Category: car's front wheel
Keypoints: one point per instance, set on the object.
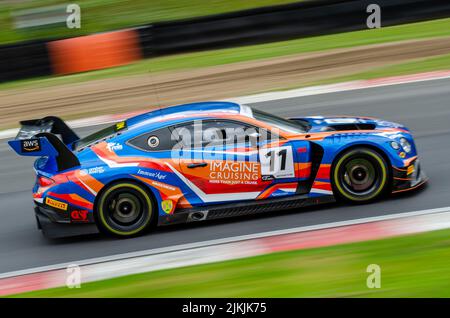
(360, 175)
(124, 209)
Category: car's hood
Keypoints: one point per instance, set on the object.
(333, 123)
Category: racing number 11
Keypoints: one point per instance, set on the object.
(277, 162)
(282, 154)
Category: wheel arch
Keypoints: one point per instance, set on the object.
(371, 146)
(144, 186)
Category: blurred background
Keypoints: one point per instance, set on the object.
(23, 20)
(90, 60)
(160, 53)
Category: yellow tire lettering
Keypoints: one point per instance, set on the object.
(101, 212)
(350, 197)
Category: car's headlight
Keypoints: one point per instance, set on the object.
(395, 145)
(405, 145)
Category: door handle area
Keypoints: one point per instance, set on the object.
(197, 165)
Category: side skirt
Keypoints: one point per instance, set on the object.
(227, 210)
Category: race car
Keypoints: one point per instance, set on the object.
(205, 161)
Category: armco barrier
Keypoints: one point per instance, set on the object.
(308, 18)
(24, 60)
(303, 19)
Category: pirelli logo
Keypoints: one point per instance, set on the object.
(56, 204)
(410, 170)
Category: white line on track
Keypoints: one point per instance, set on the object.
(234, 239)
(341, 87)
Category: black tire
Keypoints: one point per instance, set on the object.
(125, 209)
(360, 175)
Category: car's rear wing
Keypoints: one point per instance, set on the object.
(39, 138)
(50, 124)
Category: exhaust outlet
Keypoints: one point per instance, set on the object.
(197, 216)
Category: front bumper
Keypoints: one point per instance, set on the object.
(55, 225)
(408, 178)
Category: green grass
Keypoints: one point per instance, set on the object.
(411, 266)
(429, 29)
(105, 15)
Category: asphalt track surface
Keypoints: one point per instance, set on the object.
(424, 107)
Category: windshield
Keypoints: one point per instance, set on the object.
(295, 127)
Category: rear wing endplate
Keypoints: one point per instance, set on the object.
(31, 141)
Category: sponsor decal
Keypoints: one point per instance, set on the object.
(167, 206)
(163, 185)
(156, 175)
(113, 146)
(94, 170)
(120, 126)
(234, 172)
(56, 204)
(402, 155)
(279, 194)
(79, 216)
(410, 170)
(31, 145)
(267, 178)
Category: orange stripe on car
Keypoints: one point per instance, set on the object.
(324, 171)
(89, 181)
(303, 169)
(321, 185)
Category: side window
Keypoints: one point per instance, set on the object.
(157, 140)
(218, 132)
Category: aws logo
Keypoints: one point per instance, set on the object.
(31, 145)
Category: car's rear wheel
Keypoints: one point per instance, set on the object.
(360, 175)
(124, 209)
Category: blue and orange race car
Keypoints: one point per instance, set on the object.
(206, 161)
